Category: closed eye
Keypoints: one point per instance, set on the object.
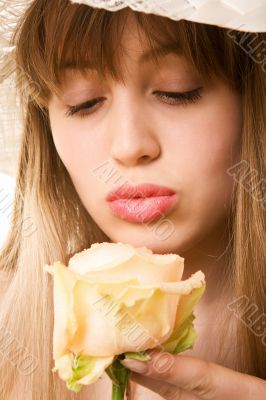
(83, 108)
(181, 97)
(172, 98)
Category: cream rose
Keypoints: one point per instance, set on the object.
(114, 299)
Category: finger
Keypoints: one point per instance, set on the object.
(166, 391)
(200, 378)
(188, 374)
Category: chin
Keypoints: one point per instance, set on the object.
(177, 238)
(148, 240)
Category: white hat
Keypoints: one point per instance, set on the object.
(243, 15)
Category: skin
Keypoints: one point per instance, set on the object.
(185, 147)
(188, 378)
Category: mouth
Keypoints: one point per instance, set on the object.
(141, 203)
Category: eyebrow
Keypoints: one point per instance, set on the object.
(160, 52)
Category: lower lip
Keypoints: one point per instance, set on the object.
(142, 209)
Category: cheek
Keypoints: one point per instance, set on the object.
(206, 144)
(217, 143)
(209, 139)
(79, 150)
(82, 155)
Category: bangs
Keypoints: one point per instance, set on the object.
(62, 35)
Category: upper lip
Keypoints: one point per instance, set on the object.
(127, 191)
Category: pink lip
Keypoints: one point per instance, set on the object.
(141, 203)
(142, 190)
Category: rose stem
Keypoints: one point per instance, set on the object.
(117, 392)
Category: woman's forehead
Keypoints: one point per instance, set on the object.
(82, 38)
(104, 47)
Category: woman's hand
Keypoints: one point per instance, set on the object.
(177, 377)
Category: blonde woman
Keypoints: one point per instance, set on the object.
(114, 98)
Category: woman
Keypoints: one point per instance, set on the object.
(127, 97)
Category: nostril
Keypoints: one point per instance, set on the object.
(145, 158)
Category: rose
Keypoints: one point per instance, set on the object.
(115, 299)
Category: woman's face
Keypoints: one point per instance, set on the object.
(134, 134)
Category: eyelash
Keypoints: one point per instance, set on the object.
(182, 98)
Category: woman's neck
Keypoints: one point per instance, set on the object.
(211, 256)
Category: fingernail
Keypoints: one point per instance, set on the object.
(137, 366)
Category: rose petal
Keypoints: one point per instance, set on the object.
(64, 321)
(120, 262)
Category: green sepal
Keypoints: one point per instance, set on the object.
(82, 365)
(187, 337)
(184, 334)
(140, 356)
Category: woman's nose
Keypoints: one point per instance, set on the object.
(133, 138)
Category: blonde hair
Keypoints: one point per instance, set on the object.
(50, 36)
